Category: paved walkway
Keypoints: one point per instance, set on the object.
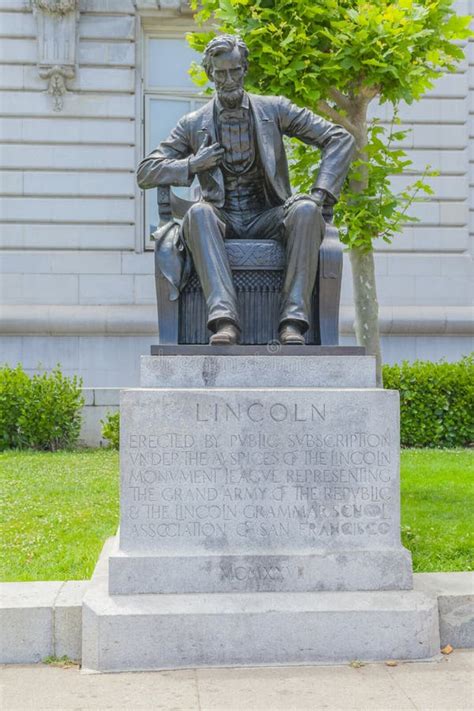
(446, 685)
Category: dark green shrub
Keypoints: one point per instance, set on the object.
(436, 402)
(47, 413)
(111, 429)
(14, 390)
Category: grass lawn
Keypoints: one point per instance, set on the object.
(59, 508)
(437, 488)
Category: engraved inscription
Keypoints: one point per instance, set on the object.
(256, 412)
(217, 474)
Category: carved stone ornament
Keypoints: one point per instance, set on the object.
(56, 22)
(150, 7)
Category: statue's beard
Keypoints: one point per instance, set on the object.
(230, 99)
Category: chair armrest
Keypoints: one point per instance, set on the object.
(164, 203)
(330, 254)
(328, 213)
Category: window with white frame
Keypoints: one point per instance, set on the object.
(169, 94)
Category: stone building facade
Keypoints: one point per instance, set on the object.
(80, 107)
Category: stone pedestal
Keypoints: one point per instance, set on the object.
(260, 520)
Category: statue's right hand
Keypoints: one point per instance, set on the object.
(207, 157)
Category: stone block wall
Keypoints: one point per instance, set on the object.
(99, 402)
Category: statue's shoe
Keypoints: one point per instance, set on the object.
(291, 335)
(227, 334)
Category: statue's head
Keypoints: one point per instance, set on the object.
(225, 63)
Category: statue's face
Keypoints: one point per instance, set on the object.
(228, 72)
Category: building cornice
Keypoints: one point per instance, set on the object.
(140, 320)
(150, 8)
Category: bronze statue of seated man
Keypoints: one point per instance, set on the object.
(234, 145)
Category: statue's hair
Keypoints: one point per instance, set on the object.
(223, 43)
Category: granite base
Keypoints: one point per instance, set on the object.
(274, 370)
(363, 569)
(152, 632)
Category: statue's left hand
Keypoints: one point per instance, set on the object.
(318, 196)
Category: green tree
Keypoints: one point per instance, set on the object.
(336, 57)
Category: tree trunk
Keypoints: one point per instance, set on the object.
(362, 261)
(366, 305)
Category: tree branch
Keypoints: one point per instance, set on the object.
(333, 114)
(370, 92)
(340, 99)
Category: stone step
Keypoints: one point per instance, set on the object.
(39, 619)
(145, 632)
(455, 594)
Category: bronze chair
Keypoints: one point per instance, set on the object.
(257, 268)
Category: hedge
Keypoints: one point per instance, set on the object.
(111, 429)
(41, 412)
(436, 402)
